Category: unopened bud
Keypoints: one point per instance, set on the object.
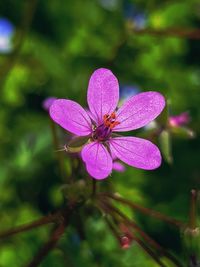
(125, 242)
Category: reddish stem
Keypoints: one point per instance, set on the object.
(192, 217)
(50, 244)
(40, 222)
(146, 211)
(146, 237)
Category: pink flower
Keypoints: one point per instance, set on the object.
(179, 120)
(104, 120)
(48, 102)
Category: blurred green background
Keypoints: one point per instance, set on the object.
(55, 47)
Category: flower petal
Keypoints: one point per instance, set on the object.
(118, 166)
(97, 159)
(139, 110)
(136, 152)
(71, 116)
(103, 93)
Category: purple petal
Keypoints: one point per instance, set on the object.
(103, 93)
(71, 116)
(136, 152)
(48, 102)
(97, 159)
(119, 167)
(139, 110)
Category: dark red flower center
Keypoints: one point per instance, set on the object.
(103, 131)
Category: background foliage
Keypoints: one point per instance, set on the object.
(55, 56)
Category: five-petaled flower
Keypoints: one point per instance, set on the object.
(103, 121)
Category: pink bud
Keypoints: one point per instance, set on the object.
(125, 242)
(179, 120)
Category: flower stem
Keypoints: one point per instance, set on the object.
(146, 237)
(146, 211)
(64, 217)
(26, 227)
(112, 228)
(192, 217)
(151, 253)
(94, 187)
(131, 223)
(50, 244)
(60, 157)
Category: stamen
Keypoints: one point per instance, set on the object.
(110, 120)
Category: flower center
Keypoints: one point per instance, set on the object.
(103, 131)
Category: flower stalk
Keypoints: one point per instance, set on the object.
(52, 218)
(50, 244)
(192, 216)
(138, 233)
(146, 211)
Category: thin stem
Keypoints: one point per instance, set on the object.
(146, 237)
(170, 32)
(149, 252)
(40, 222)
(112, 228)
(56, 235)
(146, 211)
(60, 157)
(108, 209)
(50, 244)
(192, 217)
(136, 239)
(126, 220)
(94, 187)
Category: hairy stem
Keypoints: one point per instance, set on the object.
(146, 211)
(94, 187)
(50, 244)
(26, 227)
(192, 217)
(60, 157)
(150, 252)
(147, 238)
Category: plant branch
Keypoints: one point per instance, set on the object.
(146, 211)
(150, 252)
(50, 244)
(192, 217)
(40, 222)
(60, 157)
(94, 187)
(147, 238)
